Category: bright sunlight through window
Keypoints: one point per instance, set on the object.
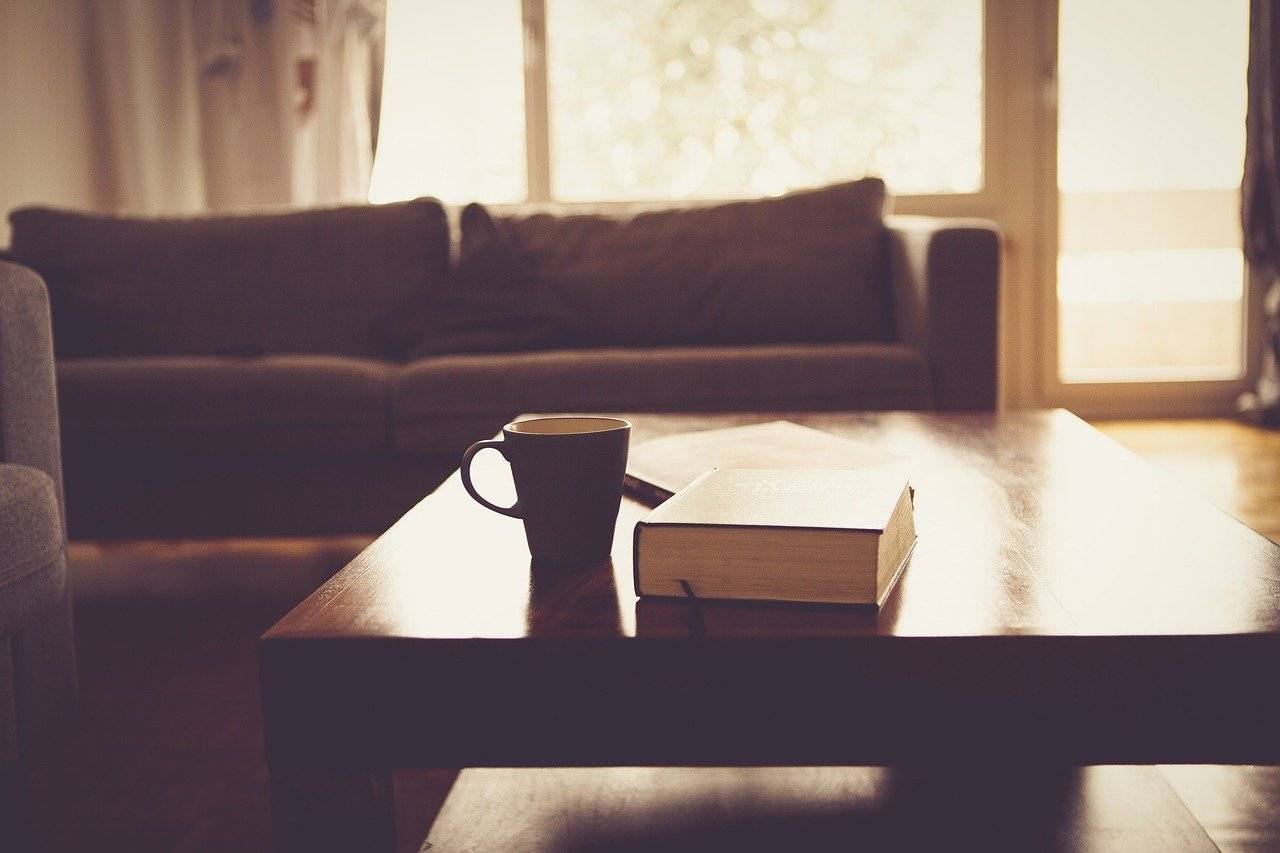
(667, 99)
(452, 121)
(1151, 148)
(670, 99)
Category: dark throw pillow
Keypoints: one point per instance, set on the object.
(276, 282)
(492, 302)
(807, 267)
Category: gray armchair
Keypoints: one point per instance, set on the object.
(37, 649)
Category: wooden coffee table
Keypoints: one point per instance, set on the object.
(1065, 605)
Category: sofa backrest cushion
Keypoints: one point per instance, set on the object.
(298, 281)
(808, 266)
(493, 302)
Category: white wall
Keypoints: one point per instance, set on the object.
(46, 131)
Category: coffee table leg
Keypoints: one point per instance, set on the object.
(315, 808)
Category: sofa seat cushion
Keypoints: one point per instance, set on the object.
(30, 524)
(285, 282)
(803, 267)
(203, 407)
(442, 404)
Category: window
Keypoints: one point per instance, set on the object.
(670, 99)
(1151, 148)
(452, 121)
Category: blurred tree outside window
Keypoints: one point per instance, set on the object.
(680, 98)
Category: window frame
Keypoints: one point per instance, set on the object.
(538, 131)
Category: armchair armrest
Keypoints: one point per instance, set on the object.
(945, 275)
(28, 391)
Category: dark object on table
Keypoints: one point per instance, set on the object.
(568, 473)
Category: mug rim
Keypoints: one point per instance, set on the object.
(609, 424)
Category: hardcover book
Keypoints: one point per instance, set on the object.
(831, 536)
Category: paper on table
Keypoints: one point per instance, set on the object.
(660, 467)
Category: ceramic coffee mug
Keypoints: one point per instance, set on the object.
(568, 473)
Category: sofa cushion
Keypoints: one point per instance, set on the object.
(804, 267)
(205, 407)
(30, 524)
(300, 281)
(440, 405)
(493, 302)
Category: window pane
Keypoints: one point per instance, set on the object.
(1151, 148)
(654, 99)
(1154, 314)
(452, 103)
(1151, 94)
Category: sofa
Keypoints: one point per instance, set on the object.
(319, 371)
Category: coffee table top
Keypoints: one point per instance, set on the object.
(1029, 523)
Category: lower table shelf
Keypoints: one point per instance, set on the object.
(827, 808)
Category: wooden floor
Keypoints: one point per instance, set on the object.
(167, 633)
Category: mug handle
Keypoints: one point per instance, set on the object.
(514, 509)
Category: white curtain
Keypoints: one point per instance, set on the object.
(215, 105)
(144, 96)
(336, 159)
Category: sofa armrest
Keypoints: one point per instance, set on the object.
(945, 275)
(28, 390)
